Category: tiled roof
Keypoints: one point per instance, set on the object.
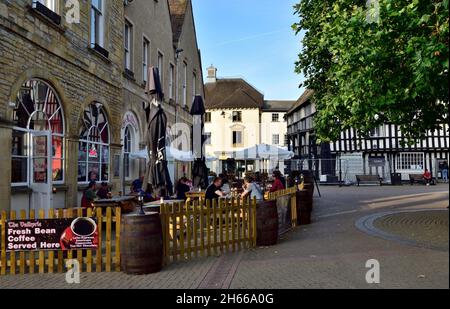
(277, 106)
(232, 93)
(304, 98)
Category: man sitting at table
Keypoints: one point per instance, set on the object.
(89, 195)
(214, 190)
(182, 188)
(136, 185)
(102, 193)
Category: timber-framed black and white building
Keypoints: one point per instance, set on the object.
(381, 153)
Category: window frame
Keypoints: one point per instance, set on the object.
(208, 138)
(236, 133)
(128, 45)
(100, 146)
(208, 117)
(236, 116)
(27, 131)
(275, 117)
(276, 139)
(145, 58)
(194, 85)
(54, 5)
(128, 147)
(171, 81)
(184, 97)
(160, 66)
(405, 159)
(97, 16)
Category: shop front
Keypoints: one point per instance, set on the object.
(38, 148)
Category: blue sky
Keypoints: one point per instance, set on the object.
(252, 39)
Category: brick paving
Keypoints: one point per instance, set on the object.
(330, 253)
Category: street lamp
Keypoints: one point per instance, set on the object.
(141, 204)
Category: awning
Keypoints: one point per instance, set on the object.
(172, 155)
(262, 152)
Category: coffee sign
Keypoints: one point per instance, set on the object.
(51, 234)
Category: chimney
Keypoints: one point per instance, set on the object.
(212, 74)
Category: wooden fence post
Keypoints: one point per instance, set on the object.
(98, 266)
(108, 239)
(41, 253)
(3, 243)
(22, 261)
(89, 252)
(12, 255)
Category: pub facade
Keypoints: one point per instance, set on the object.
(70, 110)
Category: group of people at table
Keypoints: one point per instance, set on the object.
(220, 187)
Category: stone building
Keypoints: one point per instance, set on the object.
(160, 34)
(238, 117)
(60, 94)
(71, 92)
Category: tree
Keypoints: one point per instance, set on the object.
(384, 61)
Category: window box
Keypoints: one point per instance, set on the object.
(46, 12)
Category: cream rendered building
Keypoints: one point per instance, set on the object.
(238, 118)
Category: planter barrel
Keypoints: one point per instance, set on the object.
(304, 207)
(141, 244)
(266, 223)
(309, 183)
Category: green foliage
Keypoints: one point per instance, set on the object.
(387, 63)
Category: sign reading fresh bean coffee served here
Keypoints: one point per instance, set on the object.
(51, 234)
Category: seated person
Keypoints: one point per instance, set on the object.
(89, 195)
(214, 190)
(182, 188)
(226, 189)
(102, 193)
(136, 185)
(277, 184)
(252, 190)
(427, 177)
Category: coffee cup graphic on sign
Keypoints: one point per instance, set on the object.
(79, 230)
(83, 227)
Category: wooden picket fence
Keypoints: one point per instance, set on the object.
(105, 258)
(292, 193)
(207, 228)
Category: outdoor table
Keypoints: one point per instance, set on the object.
(195, 195)
(156, 205)
(126, 203)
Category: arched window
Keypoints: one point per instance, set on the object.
(93, 151)
(38, 109)
(127, 149)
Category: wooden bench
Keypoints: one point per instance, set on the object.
(370, 179)
(418, 178)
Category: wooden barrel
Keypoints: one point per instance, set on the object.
(308, 179)
(141, 244)
(308, 176)
(266, 223)
(310, 188)
(304, 207)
